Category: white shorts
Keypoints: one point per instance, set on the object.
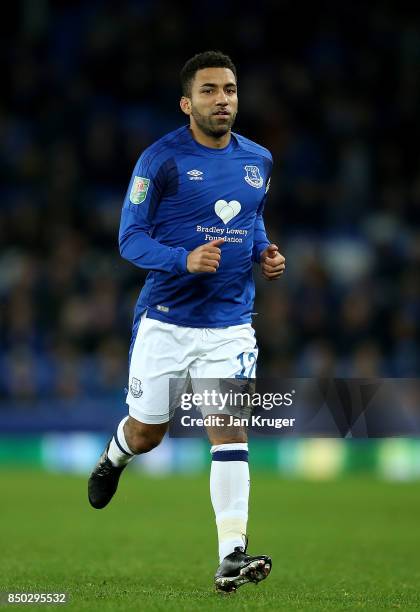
(163, 351)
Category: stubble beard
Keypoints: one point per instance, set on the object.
(210, 125)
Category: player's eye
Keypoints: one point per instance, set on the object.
(206, 91)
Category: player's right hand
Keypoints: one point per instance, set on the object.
(205, 258)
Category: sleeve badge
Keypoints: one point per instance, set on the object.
(139, 189)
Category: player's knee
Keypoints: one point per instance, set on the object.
(226, 432)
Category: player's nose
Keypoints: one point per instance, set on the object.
(222, 99)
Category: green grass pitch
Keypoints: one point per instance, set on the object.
(345, 545)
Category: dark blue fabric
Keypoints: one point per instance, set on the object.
(230, 455)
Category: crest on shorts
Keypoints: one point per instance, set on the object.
(139, 189)
(135, 387)
(253, 176)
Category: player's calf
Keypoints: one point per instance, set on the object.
(143, 437)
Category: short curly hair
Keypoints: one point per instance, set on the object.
(207, 59)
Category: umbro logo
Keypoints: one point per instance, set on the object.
(195, 175)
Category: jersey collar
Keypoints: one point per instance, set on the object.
(212, 150)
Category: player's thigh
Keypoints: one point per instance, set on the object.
(161, 352)
(223, 370)
(229, 352)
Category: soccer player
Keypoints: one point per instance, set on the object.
(193, 216)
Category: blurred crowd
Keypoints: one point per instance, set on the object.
(334, 94)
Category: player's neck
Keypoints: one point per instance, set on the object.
(210, 141)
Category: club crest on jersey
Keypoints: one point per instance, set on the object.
(253, 176)
(139, 190)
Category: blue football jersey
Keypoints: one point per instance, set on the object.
(182, 195)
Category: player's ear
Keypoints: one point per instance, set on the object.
(185, 104)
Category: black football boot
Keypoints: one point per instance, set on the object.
(238, 568)
(103, 481)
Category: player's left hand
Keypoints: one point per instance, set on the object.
(272, 262)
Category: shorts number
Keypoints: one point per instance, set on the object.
(248, 362)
